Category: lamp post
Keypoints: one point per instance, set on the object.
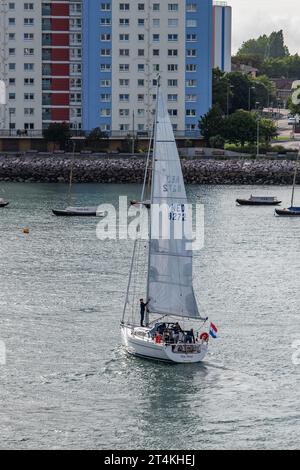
(258, 127)
(249, 97)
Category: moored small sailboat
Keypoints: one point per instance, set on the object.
(292, 211)
(169, 270)
(259, 201)
(3, 203)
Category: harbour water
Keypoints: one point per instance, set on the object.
(67, 383)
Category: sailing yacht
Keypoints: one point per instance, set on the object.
(292, 211)
(76, 211)
(170, 294)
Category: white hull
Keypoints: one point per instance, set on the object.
(138, 343)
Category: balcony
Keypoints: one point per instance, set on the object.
(46, 99)
(46, 70)
(46, 84)
(46, 25)
(46, 116)
(46, 10)
(46, 40)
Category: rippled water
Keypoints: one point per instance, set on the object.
(68, 383)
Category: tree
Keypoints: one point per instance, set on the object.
(220, 89)
(268, 130)
(240, 84)
(57, 133)
(97, 139)
(241, 127)
(266, 47)
(212, 124)
(294, 107)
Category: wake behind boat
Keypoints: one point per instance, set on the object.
(77, 212)
(259, 201)
(3, 203)
(167, 276)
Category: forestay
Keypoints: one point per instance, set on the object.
(170, 286)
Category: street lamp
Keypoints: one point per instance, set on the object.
(249, 97)
(258, 127)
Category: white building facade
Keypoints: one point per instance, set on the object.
(127, 44)
(222, 36)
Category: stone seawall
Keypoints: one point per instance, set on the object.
(118, 169)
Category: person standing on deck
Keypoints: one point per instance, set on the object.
(143, 309)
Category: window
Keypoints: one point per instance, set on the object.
(124, 37)
(28, 21)
(172, 83)
(124, 68)
(172, 67)
(124, 7)
(141, 52)
(28, 67)
(124, 82)
(28, 96)
(173, 98)
(11, 36)
(191, 7)
(173, 112)
(105, 21)
(124, 112)
(12, 81)
(28, 81)
(156, 6)
(191, 52)
(29, 111)
(28, 6)
(12, 51)
(191, 23)
(141, 67)
(191, 37)
(156, 23)
(28, 51)
(141, 82)
(141, 6)
(172, 52)
(105, 37)
(191, 68)
(105, 83)
(172, 23)
(191, 83)
(28, 36)
(172, 37)
(141, 22)
(105, 52)
(141, 37)
(105, 67)
(124, 52)
(190, 112)
(105, 6)
(124, 22)
(11, 5)
(155, 37)
(191, 98)
(124, 97)
(11, 21)
(173, 7)
(12, 66)
(105, 112)
(11, 96)
(155, 52)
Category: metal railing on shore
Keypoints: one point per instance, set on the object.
(38, 133)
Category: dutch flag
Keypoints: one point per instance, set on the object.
(213, 331)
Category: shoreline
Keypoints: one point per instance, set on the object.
(123, 169)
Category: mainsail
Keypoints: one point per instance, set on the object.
(170, 286)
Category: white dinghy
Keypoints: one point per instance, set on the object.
(168, 273)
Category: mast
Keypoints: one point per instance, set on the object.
(295, 179)
(154, 134)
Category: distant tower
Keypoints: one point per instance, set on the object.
(222, 36)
